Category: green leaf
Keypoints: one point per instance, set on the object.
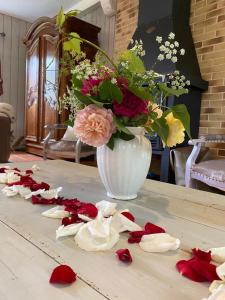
(72, 13)
(76, 82)
(120, 126)
(73, 44)
(87, 99)
(126, 137)
(60, 18)
(161, 128)
(69, 123)
(169, 91)
(109, 91)
(139, 120)
(140, 92)
(135, 64)
(111, 142)
(180, 112)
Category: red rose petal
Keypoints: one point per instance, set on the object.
(128, 215)
(72, 202)
(30, 172)
(40, 186)
(134, 240)
(206, 256)
(2, 170)
(71, 210)
(88, 209)
(40, 200)
(70, 220)
(137, 234)
(197, 270)
(152, 228)
(124, 255)
(63, 274)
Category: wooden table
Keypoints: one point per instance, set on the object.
(29, 251)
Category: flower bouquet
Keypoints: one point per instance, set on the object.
(114, 102)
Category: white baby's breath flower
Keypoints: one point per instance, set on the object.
(174, 59)
(114, 81)
(131, 41)
(143, 53)
(159, 39)
(167, 50)
(161, 57)
(171, 36)
(176, 72)
(171, 46)
(188, 82)
(162, 48)
(182, 51)
(174, 51)
(176, 44)
(168, 56)
(182, 77)
(167, 43)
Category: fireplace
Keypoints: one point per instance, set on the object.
(159, 18)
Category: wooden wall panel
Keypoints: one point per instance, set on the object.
(95, 15)
(12, 54)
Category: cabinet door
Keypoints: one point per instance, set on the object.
(32, 92)
(49, 114)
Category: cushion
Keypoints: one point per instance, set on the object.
(213, 169)
(69, 135)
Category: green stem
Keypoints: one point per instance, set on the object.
(98, 48)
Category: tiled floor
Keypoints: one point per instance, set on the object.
(23, 156)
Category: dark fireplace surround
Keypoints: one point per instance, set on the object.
(159, 18)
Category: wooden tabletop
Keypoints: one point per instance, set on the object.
(29, 251)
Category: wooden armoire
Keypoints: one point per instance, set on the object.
(42, 69)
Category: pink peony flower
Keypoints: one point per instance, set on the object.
(94, 125)
(131, 105)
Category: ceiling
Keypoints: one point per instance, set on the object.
(30, 10)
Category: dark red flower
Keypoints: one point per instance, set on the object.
(134, 240)
(131, 106)
(128, 215)
(90, 86)
(70, 220)
(88, 209)
(124, 255)
(206, 256)
(197, 270)
(63, 274)
(152, 228)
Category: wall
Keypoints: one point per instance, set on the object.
(95, 16)
(207, 23)
(12, 55)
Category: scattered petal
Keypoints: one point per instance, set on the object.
(197, 270)
(206, 256)
(128, 215)
(121, 223)
(71, 229)
(152, 228)
(70, 220)
(35, 168)
(53, 193)
(88, 209)
(40, 200)
(63, 274)
(218, 254)
(218, 294)
(134, 240)
(159, 242)
(220, 270)
(215, 285)
(56, 213)
(124, 255)
(84, 218)
(106, 208)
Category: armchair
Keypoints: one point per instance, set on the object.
(210, 172)
(66, 149)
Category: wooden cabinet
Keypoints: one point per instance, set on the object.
(42, 80)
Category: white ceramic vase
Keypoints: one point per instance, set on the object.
(123, 170)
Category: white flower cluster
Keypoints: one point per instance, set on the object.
(138, 47)
(169, 49)
(178, 81)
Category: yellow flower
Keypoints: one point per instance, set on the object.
(176, 131)
(156, 109)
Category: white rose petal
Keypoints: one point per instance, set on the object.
(35, 168)
(218, 294)
(159, 242)
(218, 254)
(84, 218)
(56, 213)
(97, 235)
(35, 193)
(106, 208)
(50, 194)
(220, 270)
(215, 284)
(121, 223)
(68, 230)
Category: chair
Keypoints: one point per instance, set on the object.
(210, 172)
(65, 149)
